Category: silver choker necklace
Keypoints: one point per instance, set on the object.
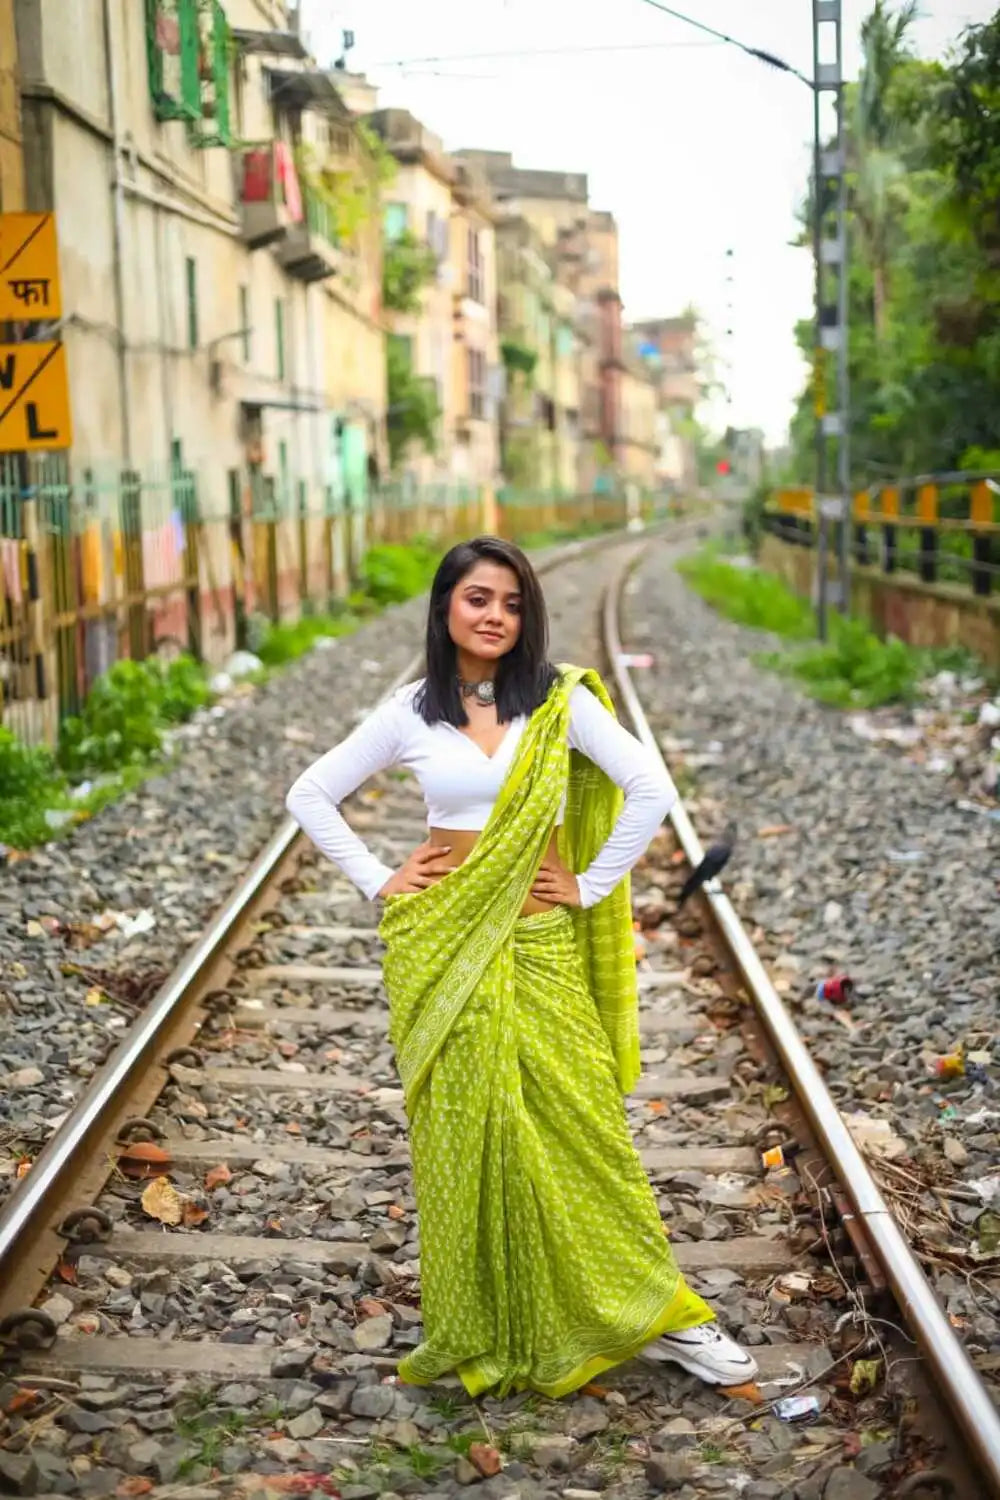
(483, 692)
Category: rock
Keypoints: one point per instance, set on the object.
(466, 1472)
(374, 1401)
(588, 1417)
(552, 1451)
(78, 1420)
(874, 1458)
(955, 1153)
(848, 1484)
(289, 1364)
(308, 1425)
(374, 1333)
(668, 1472)
(24, 1078)
(144, 1454)
(18, 1473)
(59, 1308)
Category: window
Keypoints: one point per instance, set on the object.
(477, 281)
(283, 485)
(396, 220)
(279, 338)
(437, 235)
(245, 329)
(191, 277)
(477, 383)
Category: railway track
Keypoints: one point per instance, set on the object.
(208, 1276)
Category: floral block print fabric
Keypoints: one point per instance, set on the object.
(543, 1258)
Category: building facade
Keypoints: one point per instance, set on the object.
(450, 339)
(221, 301)
(669, 347)
(11, 145)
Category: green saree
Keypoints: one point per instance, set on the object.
(543, 1258)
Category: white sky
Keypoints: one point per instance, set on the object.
(695, 148)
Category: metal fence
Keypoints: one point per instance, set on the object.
(939, 528)
(95, 567)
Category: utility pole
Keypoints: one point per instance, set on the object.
(831, 272)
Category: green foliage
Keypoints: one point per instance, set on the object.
(30, 783)
(853, 669)
(407, 267)
(126, 712)
(748, 596)
(518, 358)
(287, 641)
(413, 412)
(393, 573)
(923, 159)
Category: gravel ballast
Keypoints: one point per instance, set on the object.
(851, 860)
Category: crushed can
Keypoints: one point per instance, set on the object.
(839, 990)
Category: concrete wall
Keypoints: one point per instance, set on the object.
(11, 165)
(921, 614)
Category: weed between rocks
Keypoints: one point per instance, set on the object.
(853, 669)
(122, 733)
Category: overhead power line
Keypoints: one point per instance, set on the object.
(448, 57)
(771, 60)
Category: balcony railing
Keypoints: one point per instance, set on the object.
(311, 249)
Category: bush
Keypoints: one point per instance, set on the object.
(392, 573)
(748, 596)
(126, 712)
(286, 642)
(30, 784)
(853, 669)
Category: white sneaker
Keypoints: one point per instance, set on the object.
(707, 1352)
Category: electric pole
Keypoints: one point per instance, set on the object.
(833, 483)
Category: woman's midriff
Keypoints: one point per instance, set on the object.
(463, 841)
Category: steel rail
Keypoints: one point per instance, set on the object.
(26, 1208)
(952, 1370)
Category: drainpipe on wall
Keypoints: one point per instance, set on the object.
(118, 190)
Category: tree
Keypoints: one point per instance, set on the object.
(880, 173)
(412, 408)
(407, 267)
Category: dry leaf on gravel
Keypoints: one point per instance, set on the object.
(132, 1485)
(218, 1176)
(192, 1214)
(162, 1201)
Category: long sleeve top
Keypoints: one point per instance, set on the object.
(460, 784)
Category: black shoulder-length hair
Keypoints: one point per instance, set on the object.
(524, 676)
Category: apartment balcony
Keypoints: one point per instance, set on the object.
(270, 197)
(309, 250)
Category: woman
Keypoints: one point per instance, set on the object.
(511, 980)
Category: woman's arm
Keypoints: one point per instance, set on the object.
(649, 792)
(314, 800)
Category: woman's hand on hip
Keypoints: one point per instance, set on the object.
(557, 885)
(424, 867)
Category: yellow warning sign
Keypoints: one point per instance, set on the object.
(34, 398)
(29, 268)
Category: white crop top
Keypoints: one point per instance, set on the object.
(460, 783)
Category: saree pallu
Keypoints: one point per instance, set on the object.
(543, 1258)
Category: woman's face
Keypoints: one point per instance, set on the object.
(484, 614)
